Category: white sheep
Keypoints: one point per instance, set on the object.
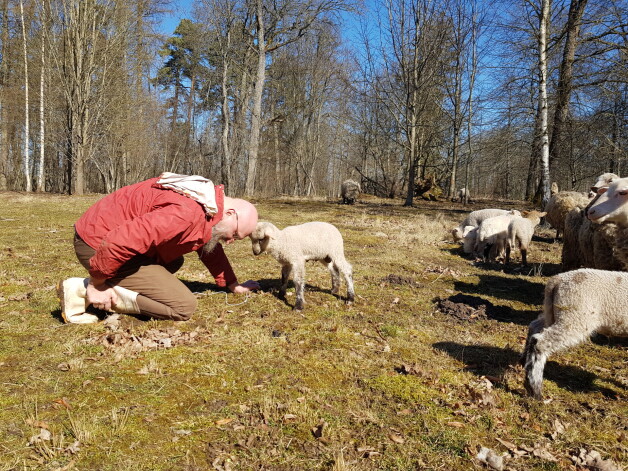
(475, 218)
(610, 204)
(492, 236)
(560, 204)
(520, 232)
(294, 245)
(469, 235)
(602, 182)
(350, 190)
(577, 304)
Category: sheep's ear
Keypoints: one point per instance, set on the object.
(601, 191)
(525, 213)
(542, 214)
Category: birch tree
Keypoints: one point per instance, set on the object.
(26, 146)
(544, 20)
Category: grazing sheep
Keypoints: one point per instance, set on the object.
(350, 190)
(492, 236)
(468, 238)
(475, 218)
(560, 204)
(521, 230)
(294, 245)
(602, 182)
(577, 304)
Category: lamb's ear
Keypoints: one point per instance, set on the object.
(542, 215)
(602, 190)
(525, 213)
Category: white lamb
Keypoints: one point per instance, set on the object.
(492, 236)
(468, 238)
(475, 218)
(294, 245)
(577, 304)
(520, 232)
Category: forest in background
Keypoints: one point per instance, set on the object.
(292, 97)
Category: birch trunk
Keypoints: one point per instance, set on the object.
(545, 173)
(27, 163)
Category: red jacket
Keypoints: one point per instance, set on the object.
(160, 223)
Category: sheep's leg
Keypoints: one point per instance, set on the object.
(524, 255)
(299, 285)
(507, 261)
(335, 277)
(347, 272)
(285, 275)
(553, 339)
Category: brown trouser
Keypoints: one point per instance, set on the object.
(161, 294)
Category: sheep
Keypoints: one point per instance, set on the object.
(294, 245)
(560, 204)
(554, 188)
(610, 205)
(591, 245)
(350, 190)
(577, 304)
(462, 195)
(475, 218)
(469, 235)
(602, 182)
(492, 235)
(521, 230)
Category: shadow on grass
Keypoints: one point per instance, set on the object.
(485, 360)
(513, 289)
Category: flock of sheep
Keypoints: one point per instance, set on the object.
(591, 295)
(578, 302)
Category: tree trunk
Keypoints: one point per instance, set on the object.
(563, 92)
(256, 118)
(42, 83)
(545, 171)
(4, 75)
(27, 162)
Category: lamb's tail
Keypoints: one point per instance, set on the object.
(548, 302)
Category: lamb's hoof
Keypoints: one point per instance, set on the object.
(298, 307)
(349, 302)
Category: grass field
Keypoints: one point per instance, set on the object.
(389, 383)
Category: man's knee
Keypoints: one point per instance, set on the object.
(185, 308)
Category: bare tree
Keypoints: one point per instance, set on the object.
(544, 20)
(26, 146)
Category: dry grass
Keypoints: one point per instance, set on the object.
(389, 383)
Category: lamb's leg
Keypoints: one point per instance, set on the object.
(557, 337)
(524, 255)
(507, 261)
(335, 277)
(299, 285)
(347, 272)
(285, 275)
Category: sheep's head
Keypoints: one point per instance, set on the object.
(457, 234)
(260, 237)
(602, 182)
(534, 216)
(611, 204)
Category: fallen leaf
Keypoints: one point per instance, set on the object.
(395, 437)
(318, 430)
(220, 422)
(455, 424)
(63, 402)
(593, 460)
(44, 435)
(37, 423)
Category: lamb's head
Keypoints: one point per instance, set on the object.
(534, 216)
(457, 234)
(514, 212)
(261, 236)
(611, 204)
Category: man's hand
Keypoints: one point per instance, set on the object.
(101, 295)
(245, 287)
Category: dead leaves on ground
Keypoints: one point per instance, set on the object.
(124, 342)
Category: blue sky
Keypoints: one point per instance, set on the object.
(180, 9)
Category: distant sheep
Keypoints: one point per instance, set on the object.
(461, 195)
(294, 245)
(520, 232)
(350, 191)
(560, 204)
(492, 236)
(577, 304)
(475, 218)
